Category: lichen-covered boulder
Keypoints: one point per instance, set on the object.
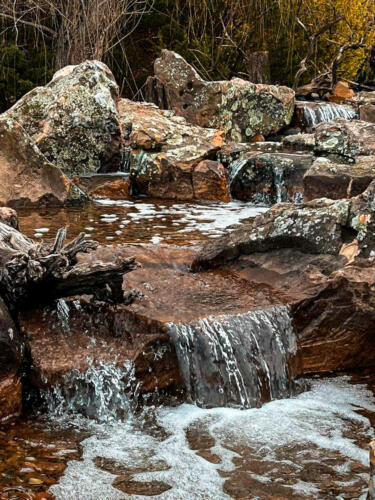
(322, 226)
(165, 150)
(315, 227)
(73, 119)
(241, 108)
(326, 178)
(345, 138)
(27, 178)
(269, 177)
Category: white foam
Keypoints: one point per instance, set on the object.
(321, 417)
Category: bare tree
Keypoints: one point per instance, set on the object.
(79, 29)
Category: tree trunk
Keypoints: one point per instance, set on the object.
(258, 64)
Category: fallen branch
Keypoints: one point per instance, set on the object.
(32, 273)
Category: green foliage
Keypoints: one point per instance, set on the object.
(21, 71)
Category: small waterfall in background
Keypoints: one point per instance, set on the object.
(326, 112)
(240, 360)
(104, 392)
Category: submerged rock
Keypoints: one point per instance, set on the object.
(167, 154)
(241, 108)
(26, 176)
(347, 139)
(338, 180)
(73, 119)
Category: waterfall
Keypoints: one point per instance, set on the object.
(104, 392)
(235, 168)
(326, 112)
(238, 360)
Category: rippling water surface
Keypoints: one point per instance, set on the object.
(155, 221)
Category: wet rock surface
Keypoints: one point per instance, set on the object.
(307, 114)
(115, 186)
(240, 108)
(73, 120)
(269, 177)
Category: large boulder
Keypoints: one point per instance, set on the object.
(241, 108)
(269, 177)
(26, 176)
(167, 154)
(333, 180)
(73, 119)
(320, 226)
(348, 139)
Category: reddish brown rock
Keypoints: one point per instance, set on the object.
(367, 113)
(107, 333)
(26, 177)
(210, 181)
(165, 151)
(335, 326)
(340, 93)
(241, 108)
(10, 396)
(326, 179)
(112, 186)
(97, 333)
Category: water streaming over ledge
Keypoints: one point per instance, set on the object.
(326, 112)
(240, 360)
(104, 392)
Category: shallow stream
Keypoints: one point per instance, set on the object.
(312, 445)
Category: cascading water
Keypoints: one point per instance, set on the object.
(104, 392)
(240, 360)
(326, 112)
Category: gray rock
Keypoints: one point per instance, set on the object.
(241, 108)
(347, 139)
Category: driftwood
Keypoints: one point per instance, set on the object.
(32, 273)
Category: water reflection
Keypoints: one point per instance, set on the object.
(145, 220)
